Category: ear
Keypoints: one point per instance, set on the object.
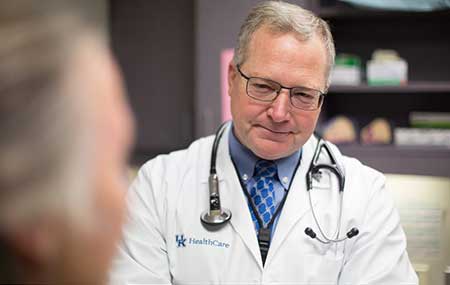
(231, 77)
(35, 246)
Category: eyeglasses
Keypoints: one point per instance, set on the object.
(267, 90)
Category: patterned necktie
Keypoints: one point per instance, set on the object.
(262, 192)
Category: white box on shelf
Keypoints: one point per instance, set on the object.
(346, 75)
(393, 72)
(423, 137)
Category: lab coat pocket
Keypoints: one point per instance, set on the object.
(322, 269)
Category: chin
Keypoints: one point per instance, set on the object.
(271, 151)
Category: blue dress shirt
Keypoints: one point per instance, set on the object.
(245, 162)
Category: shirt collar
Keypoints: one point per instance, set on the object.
(245, 161)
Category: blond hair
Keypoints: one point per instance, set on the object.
(44, 143)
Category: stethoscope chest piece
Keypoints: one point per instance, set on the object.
(214, 220)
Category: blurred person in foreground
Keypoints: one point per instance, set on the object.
(65, 134)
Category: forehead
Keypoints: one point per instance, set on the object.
(287, 58)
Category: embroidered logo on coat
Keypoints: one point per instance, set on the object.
(182, 241)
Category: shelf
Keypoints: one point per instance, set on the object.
(418, 160)
(344, 10)
(412, 87)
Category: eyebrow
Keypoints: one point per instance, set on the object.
(286, 87)
(283, 86)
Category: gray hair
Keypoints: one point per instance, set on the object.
(44, 143)
(284, 17)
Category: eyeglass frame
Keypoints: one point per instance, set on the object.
(321, 94)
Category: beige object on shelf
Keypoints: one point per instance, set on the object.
(377, 132)
(340, 130)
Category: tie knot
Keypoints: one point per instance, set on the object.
(265, 168)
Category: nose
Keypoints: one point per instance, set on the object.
(280, 108)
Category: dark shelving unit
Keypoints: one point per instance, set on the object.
(418, 160)
(337, 9)
(411, 87)
(418, 38)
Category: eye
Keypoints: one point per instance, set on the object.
(303, 95)
(262, 87)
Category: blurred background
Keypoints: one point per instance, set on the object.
(388, 104)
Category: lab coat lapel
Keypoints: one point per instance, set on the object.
(297, 203)
(234, 199)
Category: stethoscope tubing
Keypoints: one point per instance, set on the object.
(333, 167)
(327, 239)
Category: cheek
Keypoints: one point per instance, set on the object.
(109, 219)
(245, 110)
(110, 200)
(240, 105)
(110, 176)
(306, 121)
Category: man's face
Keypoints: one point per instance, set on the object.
(273, 130)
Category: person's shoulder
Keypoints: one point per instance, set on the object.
(353, 167)
(361, 180)
(163, 176)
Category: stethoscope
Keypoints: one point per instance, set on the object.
(217, 216)
(314, 172)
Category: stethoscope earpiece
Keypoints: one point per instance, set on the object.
(309, 232)
(351, 233)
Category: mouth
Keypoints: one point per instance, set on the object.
(278, 132)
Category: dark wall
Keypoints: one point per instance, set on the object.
(154, 41)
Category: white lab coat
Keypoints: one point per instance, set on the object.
(171, 191)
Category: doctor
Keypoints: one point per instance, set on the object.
(277, 83)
